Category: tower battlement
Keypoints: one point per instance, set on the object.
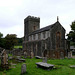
(32, 18)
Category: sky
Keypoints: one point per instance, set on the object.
(13, 13)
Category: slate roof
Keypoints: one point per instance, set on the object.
(43, 29)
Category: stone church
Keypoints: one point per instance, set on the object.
(47, 42)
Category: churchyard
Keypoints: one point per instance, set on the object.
(61, 67)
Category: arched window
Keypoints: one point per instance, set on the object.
(34, 27)
(58, 37)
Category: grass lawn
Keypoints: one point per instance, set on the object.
(61, 64)
(17, 47)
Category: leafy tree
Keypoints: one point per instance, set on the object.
(11, 40)
(71, 35)
(2, 40)
(1, 35)
(20, 40)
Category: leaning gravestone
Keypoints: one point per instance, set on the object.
(4, 60)
(23, 69)
(44, 59)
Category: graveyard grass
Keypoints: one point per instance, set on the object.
(17, 47)
(62, 66)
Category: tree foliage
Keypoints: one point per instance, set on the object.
(1, 35)
(2, 40)
(71, 35)
(11, 40)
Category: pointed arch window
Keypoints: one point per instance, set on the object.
(58, 38)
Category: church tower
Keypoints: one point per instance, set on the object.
(31, 24)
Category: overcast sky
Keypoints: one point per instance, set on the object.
(13, 12)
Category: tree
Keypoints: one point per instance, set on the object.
(2, 40)
(11, 40)
(1, 35)
(71, 35)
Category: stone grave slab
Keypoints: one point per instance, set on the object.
(72, 66)
(44, 65)
(21, 60)
(38, 57)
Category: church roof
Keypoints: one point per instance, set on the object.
(44, 29)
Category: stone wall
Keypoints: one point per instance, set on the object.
(17, 52)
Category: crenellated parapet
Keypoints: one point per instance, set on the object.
(32, 18)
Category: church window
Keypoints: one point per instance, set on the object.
(34, 27)
(58, 39)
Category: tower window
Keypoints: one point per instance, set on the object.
(34, 27)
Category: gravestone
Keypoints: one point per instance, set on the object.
(61, 55)
(32, 55)
(23, 69)
(44, 65)
(25, 54)
(70, 54)
(4, 60)
(44, 59)
(38, 57)
(72, 66)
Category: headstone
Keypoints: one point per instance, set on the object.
(70, 54)
(25, 54)
(23, 69)
(10, 57)
(21, 60)
(61, 55)
(44, 59)
(18, 57)
(4, 59)
(32, 55)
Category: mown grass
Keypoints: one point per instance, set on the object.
(62, 66)
(17, 47)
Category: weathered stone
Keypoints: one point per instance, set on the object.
(49, 40)
(44, 65)
(4, 60)
(72, 66)
(21, 60)
(70, 54)
(10, 57)
(23, 69)
(25, 54)
(38, 57)
(32, 55)
(18, 57)
(44, 60)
